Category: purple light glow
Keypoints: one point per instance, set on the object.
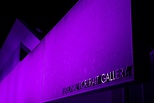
(94, 37)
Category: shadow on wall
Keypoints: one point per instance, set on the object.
(97, 97)
(10, 64)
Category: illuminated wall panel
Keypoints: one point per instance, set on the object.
(93, 38)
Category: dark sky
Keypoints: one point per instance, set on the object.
(39, 17)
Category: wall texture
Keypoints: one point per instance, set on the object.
(94, 37)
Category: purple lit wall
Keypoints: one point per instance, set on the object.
(94, 37)
(18, 34)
